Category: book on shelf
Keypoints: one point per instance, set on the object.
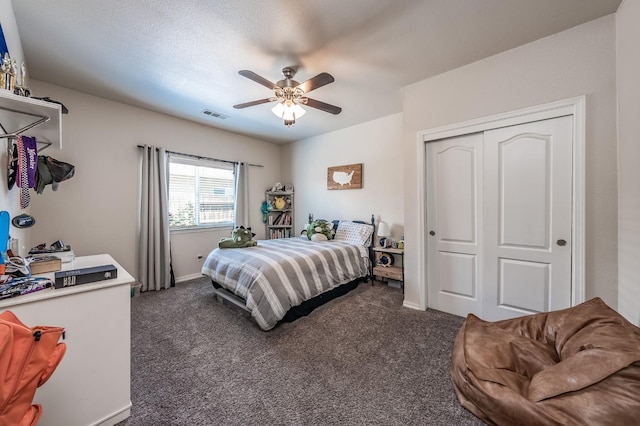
(283, 219)
(279, 233)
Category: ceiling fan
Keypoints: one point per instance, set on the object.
(290, 94)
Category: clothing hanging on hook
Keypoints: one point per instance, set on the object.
(13, 164)
(25, 198)
(27, 167)
(12, 155)
(30, 146)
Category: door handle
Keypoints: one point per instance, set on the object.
(561, 242)
(432, 233)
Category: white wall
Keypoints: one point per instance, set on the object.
(628, 73)
(9, 201)
(579, 61)
(378, 145)
(96, 211)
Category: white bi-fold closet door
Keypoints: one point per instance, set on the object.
(499, 220)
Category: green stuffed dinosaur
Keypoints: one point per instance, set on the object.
(240, 237)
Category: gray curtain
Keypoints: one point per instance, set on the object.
(242, 195)
(154, 253)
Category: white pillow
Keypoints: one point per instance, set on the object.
(354, 233)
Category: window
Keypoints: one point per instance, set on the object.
(201, 193)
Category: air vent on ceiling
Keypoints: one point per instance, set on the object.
(214, 114)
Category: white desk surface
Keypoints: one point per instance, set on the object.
(80, 262)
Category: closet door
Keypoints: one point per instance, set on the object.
(454, 224)
(527, 218)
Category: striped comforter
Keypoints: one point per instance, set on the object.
(278, 274)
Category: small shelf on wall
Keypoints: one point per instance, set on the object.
(31, 117)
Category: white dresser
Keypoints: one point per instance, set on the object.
(92, 384)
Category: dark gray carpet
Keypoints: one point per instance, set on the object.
(361, 359)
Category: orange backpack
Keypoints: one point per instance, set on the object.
(28, 357)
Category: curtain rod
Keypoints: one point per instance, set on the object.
(200, 157)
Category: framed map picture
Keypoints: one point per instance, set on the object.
(345, 177)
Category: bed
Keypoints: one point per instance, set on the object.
(280, 275)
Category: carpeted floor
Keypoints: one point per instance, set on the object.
(361, 359)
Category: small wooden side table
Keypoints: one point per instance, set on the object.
(393, 272)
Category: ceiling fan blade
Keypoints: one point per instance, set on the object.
(332, 109)
(252, 103)
(315, 82)
(258, 79)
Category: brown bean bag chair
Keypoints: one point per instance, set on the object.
(577, 366)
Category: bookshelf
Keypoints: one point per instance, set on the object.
(280, 216)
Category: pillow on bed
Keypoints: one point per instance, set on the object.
(354, 233)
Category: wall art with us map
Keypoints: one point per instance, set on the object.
(345, 177)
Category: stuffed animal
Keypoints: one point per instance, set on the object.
(279, 202)
(240, 237)
(320, 230)
(265, 208)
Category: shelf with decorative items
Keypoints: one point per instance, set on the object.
(278, 212)
(386, 267)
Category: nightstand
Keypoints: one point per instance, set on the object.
(393, 271)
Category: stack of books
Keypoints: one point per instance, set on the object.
(45, 263)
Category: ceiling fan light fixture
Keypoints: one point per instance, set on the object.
(288, 111)
(290, 94)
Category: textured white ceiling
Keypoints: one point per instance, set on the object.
(180, 57)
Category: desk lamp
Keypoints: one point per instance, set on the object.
(384, 233)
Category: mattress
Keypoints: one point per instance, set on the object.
(278, 274)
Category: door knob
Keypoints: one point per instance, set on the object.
(561, 242)
(432, 233)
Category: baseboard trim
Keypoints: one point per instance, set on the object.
(411, 305)
(115, 417)
(188, 277)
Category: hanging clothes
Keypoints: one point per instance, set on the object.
(23, 175)
(13, 167)
(52, 172)
(31, 152)
(27, 167)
